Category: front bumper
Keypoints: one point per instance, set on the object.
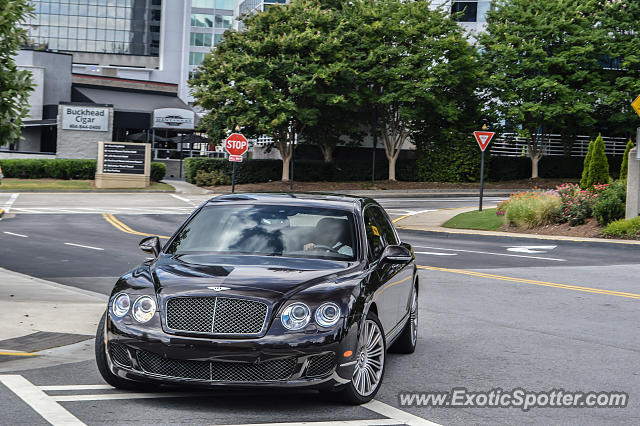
(311, 358)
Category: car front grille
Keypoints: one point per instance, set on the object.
(216, 315)
(120, 354)
(267, 371)
(321, 365)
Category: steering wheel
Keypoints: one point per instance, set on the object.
(327, 248)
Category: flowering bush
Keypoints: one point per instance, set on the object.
(577, 204)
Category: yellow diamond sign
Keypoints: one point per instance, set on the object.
(636, 105)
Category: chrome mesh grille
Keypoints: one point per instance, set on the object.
(216, 315)
(320, 365)
(120, 354)
(217, 371)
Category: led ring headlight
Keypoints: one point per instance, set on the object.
(295, 316)
(327, 315)
(121, 304)
(144, 308)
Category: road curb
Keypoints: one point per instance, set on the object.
(508, 238)
(391, 194)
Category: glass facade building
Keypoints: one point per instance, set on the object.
(123, 27)
(209, 20)
(470, 11)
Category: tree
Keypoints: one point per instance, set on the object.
(586, 166)
(414, 68)
(15, 84)
(543, 65)
(624, 168)
(599, 164)
(276, 77)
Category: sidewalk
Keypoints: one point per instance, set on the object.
(431, 222)
(29, 305)
(183, 187)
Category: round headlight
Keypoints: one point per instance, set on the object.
(295, 316)
(144, 308)
(327, 315)
(121, 305)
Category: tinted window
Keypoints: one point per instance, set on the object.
(374, 236)
(269, 231)
(385, 227)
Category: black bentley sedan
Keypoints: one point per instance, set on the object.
(266, 290)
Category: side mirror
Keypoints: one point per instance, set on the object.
(396, 254)
(150, 245)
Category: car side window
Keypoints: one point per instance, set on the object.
(374, 237)
(385, 227)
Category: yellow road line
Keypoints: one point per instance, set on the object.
(124, 228)
(18, 354)
(401, 217)
(534, 282)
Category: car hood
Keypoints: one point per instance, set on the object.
(253, 276)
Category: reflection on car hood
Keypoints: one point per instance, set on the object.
(258, 276)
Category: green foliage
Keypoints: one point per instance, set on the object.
(540, 56)
(256, 171)
(586, 167)
(158, 171)
(598, 165)
(62, 169)
(531, 209)
(212, 178)
(455, 162)
(624, 168)
(15, 84)
(611, 203)
(629, 228)
(48, 168)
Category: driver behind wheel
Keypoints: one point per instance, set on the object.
(333, 235)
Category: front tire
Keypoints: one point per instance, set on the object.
(103, 363)
(369, 369)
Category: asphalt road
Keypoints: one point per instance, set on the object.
(529, 314)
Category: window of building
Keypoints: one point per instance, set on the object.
(201, 20)
(201, 39)
(205, 4)
(224, 4)
(196, 58)
(465, 11)
(224, 21)
(217, 38)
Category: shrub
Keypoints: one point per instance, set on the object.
(586, 166)
(49, 168)
(611, 203)
(577, 204)
(158, 171)
(624, 168)
(623, 228)
(531, 209)
(212, 178)
(599, 165)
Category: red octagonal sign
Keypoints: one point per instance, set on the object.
(236, 144)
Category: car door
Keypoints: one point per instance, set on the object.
(386, 304)
(399, 277)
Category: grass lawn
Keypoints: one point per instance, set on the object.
(66, 185)
(487, 220)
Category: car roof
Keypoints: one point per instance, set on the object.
(297, 198)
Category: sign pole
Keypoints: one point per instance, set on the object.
(233, 178)
(481, 180)
(483, 138)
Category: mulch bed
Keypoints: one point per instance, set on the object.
(590, 229)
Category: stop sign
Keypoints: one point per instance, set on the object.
(236, 144)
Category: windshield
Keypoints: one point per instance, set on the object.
(269, 230)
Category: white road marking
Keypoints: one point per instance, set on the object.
(435, 253)
(42, 403)
(397, 414)
(493, 254)
(75, 387)
(16, 235)
(80, 245)
(186, 200)
(7, 205)
(530, 249)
